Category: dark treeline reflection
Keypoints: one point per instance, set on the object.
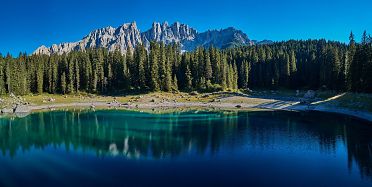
(143, 135)
(131, 134)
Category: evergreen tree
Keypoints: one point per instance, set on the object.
(364, 38)
(175, 83)
(63, 83)
(244, 74)
(350, 66)
(2, 77)
(208, 66)
(77, 76)
(139, 73)
(224, 73)
(70, 75)
(293, 68)
(40, 77)
(235, 77)
(130, 68)
(154, 68)
(94, 82)
(110, 75)
(188, 78)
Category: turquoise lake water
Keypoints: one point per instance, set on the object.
(195, 148)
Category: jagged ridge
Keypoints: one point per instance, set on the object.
(128, 36)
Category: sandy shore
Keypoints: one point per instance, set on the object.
(217, 102)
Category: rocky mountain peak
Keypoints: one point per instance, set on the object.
(42, 50)
(128, 36)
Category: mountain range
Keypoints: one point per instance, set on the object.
(128, 36)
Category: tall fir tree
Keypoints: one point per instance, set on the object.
(154, 66)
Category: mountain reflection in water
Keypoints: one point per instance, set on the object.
(193, 134)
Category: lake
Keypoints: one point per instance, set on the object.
(193, 148)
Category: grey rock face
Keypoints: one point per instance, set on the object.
(128, 36)
(222, 39)
(122, 38)
(42, 50)
(176, 33)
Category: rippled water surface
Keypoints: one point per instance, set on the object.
(121, 148)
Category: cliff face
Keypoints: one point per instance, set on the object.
(128, 36)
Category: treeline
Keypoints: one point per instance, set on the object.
(310, 64)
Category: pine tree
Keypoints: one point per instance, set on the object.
(188, 78)
(40, 77)
(77, 77)
(63, 83)
(342, 73)
(168, 79)
(175, 83)
(141, 67)
(123, 71)
(202, 84)
(70, 75)
(208, 66)
(364, 38)
(130, 68)
(110, 75)
(86, 73)
(101, 72)
(54, 77)
(216, 65)
(335, 69)
(224, 72)
(2, 77)
(350, 66)
(244, 74)
(49, 75)
(139, 73)
(94, 82)
(166, 68)
(235, 77)
(293, 68)
(230, 77)
(154, 60)
(165, 74)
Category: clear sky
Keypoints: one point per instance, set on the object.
(27, 24)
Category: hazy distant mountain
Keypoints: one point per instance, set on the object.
(127, 36)
(263, 42)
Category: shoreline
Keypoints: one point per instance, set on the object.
(267, 104)
(367, 116)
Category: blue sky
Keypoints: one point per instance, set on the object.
(25, 25)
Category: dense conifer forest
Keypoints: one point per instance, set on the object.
(310, 64)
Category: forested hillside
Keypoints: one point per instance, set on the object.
(310, 64)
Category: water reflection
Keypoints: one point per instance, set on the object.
(149, 136)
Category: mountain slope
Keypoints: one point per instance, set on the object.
(128, 36)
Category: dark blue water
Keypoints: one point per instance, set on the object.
(118, 148)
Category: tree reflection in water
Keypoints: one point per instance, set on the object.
(151, 136)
